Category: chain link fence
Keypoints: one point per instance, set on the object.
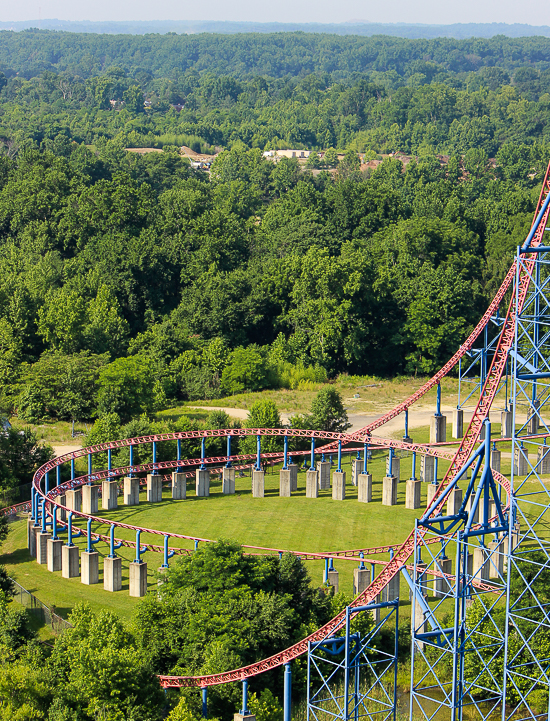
(39, 609)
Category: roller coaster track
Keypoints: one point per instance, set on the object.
(403, 551)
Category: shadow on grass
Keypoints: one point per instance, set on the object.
(21, 555)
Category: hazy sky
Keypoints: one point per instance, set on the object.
(533, 12)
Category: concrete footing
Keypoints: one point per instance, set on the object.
(138, 579)
(496, 561)
(112, 573)
(454, 501)
(179, 486)
(389, 491)
(412, 494)
(228, 481)
(543, 460)
(53, 554)
(534, 418)
(495, 459)
(323, 468)
(427, 469)
(469, 504)
(395, 469)
(258, 484)
(244, 717)
(109, 495)
(361, 579)
(521, 462)
(154, 488)
(391, 590)
(202, 482)
(338, 485)
(438, 429)
(364, 488)
(356, 469)
(312, 484)
(293, 468)
(284, 483)
(481, 564)
(30, 524)
(131, 491)
(90, 499)
(506, 418)
(333, 579)
(431, 489)
(62, 500)
(69, 561)
(89, 567)
(458, 423)
(42, 547)
(74, 499)
(35, 530)
(442, 587)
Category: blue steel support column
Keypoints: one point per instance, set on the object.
(89, 547)
(390, 463)
(112, 541)
(312, 464)
(54, 524)
(413, 472)
(325, 575)
(435, 469)
(196, 544)
(179, 455)
(339, 456)
(203, 452)
(204, 702)
(47, 481)
(167, 554)
(43, 504)
(258, 452)
(58, 475)
(109, 459)
(154, 452)
(131, 460)
(33, 494)
(89, 468)
(438, 401)
(244, 711)
(228, 464)
(365, 457)
(285, 463)
(287, 694)
(406, 422)
(70, 530)
(73, 471)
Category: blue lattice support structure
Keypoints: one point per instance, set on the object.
(350, 676)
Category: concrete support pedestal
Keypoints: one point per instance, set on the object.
(454, 501)
(284, 483)
(293, 468)
(480, 568)
(202, 482)
(458, 423)
(35, 530)
(389, 491)
(506, 418)
(395, 469)
(418, 619)
(109, 495)
(438, 429)
(90, 499)
(534, 418)
(412, 494)
(53, 554)
(258, 484)
(441, 585)
(521, 462)
(323, 468)
(364, 488)
(496, 561)
(30, 524)
(338, 485)
(469, 504)
(244, 717)
(495, 460)
(432, 488)
(89, 567)
(543, 460)
(154, 488)
(361, 579)
(356, 469)
(42, 547)
(62, 500)
(333, 579)
(131, 491)
(391, 590)
(138, 579)
(69, 561)
(74, 499)
(312, 484)
(179, 486)
(427, 469)
(228, 481)
(112, 574)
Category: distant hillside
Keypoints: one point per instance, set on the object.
(400, 30)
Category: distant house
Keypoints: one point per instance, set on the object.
(178, 107)
(300, 154)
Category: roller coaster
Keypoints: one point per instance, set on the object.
(495, 529)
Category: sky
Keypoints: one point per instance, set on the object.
(532, 12)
